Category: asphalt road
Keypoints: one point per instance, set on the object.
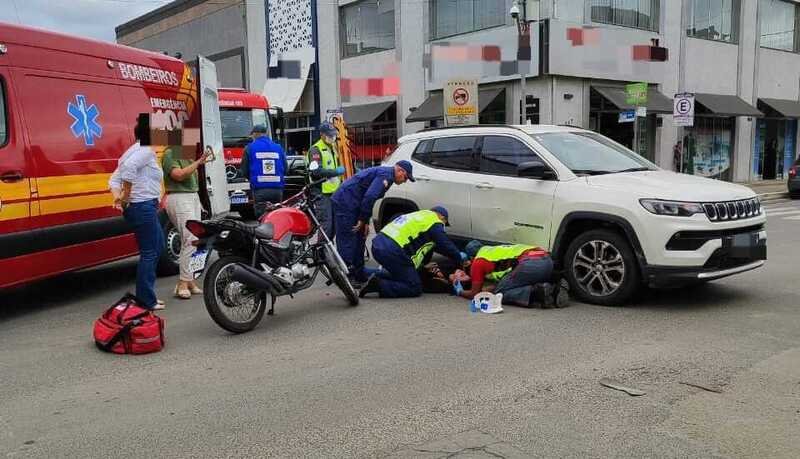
(419, 378)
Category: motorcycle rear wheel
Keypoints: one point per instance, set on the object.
(339, 278)
(230, 304)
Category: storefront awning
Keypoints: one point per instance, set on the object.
(656, 102)
(360, 114)
(433, 108)
(719, 104)
(787, 108)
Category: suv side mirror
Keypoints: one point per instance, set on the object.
(535, 169)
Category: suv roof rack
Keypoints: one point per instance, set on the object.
(443, 128)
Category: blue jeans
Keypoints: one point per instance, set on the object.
(323, 209)
(350, 245)
(143, 217)
(399, 277)
(517, 285)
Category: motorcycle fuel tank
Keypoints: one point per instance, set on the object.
(288, 220)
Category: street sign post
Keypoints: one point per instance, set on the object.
(627, 116)
(461, 102)
(683, 110)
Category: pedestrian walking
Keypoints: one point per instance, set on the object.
(352, 207)
(322, 162)
(402, 248)
(264, 164)
(522, 273)
(136, 186)
(183, 204)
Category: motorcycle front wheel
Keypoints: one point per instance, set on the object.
(231, 304)
(338, 277)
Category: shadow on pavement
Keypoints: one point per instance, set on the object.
(67, 288)
(696, 297)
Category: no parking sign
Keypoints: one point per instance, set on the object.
(683, 110)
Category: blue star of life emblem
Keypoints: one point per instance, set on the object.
(85, 124)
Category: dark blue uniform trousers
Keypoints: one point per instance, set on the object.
(517, 285)
(398, 278)
(349, 244)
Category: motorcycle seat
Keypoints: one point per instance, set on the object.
(264, 231)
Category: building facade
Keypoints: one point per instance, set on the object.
(390, 59)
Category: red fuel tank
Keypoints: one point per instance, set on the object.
(288, 220)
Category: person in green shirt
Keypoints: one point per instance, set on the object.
(183, 204)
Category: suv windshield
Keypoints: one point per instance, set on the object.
(587, 153)
(238, 123)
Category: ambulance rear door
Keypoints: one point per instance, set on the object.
(216, 181)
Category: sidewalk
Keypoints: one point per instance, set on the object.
(769, 189)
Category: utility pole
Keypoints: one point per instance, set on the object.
(523, 54)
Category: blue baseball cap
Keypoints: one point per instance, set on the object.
(443, 212)
(328, 129)
(259, 129)
(406, 166)
(472, 248)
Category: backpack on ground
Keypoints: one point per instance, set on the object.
(128, 328)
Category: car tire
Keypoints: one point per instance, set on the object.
(601, 268)
(168, 263)
(794, 195)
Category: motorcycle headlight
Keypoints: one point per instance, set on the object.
(672, 208)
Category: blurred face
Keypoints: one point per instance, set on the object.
(400, 175)
(330, 140)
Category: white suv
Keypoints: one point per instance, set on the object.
(612, 220)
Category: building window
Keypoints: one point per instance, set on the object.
(708, 148)
(457, 153)
(454, 17)
(778, 25)
(714, 20)
(637, 14)
(367, 27)
(3, 119)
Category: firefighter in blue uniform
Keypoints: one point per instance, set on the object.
(403, 246)
(264, 164)
(352, 209)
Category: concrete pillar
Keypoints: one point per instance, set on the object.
(256, 44)
(410, 49)
(747, 89)
(672, 33)
(329, 52)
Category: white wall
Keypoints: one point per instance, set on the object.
(711, 66)
(779, 75)
(410, 16)
(329, 52)
(256, 44)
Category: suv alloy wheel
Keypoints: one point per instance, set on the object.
(601, 268)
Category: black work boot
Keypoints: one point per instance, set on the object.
(543, 295)
(372, 285)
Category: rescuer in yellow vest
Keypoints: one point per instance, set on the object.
(401, 248)
(323, 163)
(522, 273)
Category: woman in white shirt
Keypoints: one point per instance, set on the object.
(136, 185)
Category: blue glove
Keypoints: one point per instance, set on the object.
(340, 170)
(464, 257)
(458, 288)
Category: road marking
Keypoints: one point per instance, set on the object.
(796, 217)
(786, 212)
(778, 209)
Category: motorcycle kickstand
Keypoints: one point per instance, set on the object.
(271, 311)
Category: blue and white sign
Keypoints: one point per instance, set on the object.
(627, 116)
(85, 124)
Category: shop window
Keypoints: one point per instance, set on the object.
(501, 155)
(456, 153)
(455, 17)
(367, 27)
(779, 24)
(708, 148)
(3, 114)
(637, 14)
(714, 20)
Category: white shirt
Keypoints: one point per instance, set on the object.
(139, 167)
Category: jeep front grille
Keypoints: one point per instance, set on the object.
(732, 210)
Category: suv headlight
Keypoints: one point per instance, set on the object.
(672, 208)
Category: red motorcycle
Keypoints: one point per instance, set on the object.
(262, 261)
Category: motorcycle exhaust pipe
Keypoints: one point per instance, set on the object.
(256, 279)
